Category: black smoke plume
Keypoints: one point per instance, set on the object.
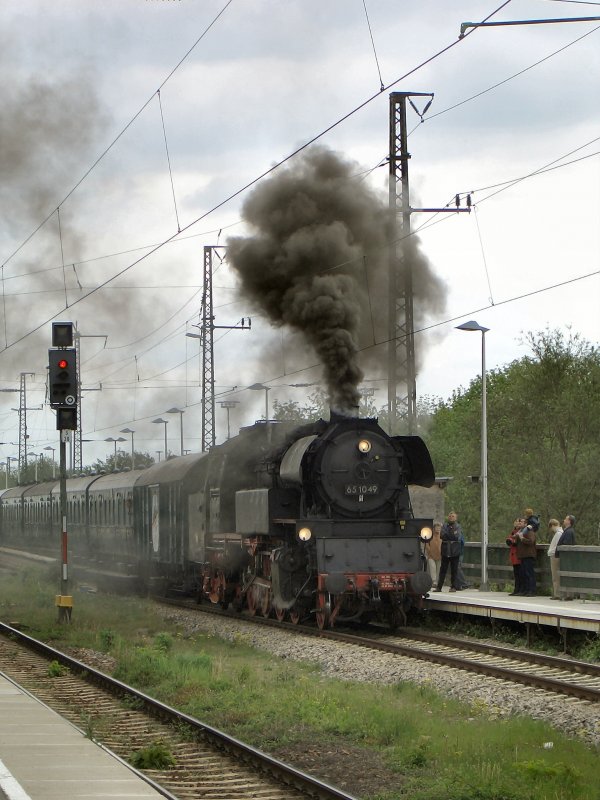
(317, 261)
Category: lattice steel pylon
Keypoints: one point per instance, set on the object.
(77, 455)
(208, 368)
(23, 421)
(401, 344)
(207, 328)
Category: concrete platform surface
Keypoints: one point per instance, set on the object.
(43, 756)
(540, 610)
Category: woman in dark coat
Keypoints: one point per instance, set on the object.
(511, 541)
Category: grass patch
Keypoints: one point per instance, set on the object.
(154, 756)
(406, 736)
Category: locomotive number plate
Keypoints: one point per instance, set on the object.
(361, 488)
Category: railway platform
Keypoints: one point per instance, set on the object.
(43, 756)
(563, 615)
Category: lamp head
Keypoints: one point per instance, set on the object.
(471, 326)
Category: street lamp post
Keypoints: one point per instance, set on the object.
(181, 413)
(474, 326)
(37, 457)
(112, 439)
(129, 430)
(256, 387)
(164, 422)
(8, 460)
(228, 405)
(53, 461)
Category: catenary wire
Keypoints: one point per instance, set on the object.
(427, 224)
(258, 178)
(119, 135)
(373, 43)
(505, 80)
(361, 175)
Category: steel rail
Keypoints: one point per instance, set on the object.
(529, 657)
(281, 772)
(445, 659)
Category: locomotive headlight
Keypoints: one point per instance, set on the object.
(426, 534)
(304, 534)
(364, 446)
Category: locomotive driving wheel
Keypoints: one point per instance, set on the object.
(218, 586)
(265, 602)
(251, 601)
(280, 614)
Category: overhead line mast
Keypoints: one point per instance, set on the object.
(401, 344)
(206, 336)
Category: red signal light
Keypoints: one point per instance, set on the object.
(63, 364)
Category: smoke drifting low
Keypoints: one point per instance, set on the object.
(317, 261)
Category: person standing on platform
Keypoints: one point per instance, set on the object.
(567, 538)
(433, 553)
(555, 531)
(511, 541)
(450, 536)
(527, 551)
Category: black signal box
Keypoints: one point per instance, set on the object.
(66, 419)
(62, 334)
(62, 377)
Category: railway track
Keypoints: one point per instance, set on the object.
(550, 673)
(208, 763)
(564, 676)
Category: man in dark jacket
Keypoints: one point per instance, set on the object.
(568, 535)
(450, 535)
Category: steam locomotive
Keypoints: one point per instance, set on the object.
(298, 522)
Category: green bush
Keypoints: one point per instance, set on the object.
(154, 756)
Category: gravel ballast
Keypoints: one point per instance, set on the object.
(491, 696)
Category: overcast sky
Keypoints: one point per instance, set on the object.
(87, 192)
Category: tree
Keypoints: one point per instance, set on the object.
(317, 408)
(121, 462)
(543, 430)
